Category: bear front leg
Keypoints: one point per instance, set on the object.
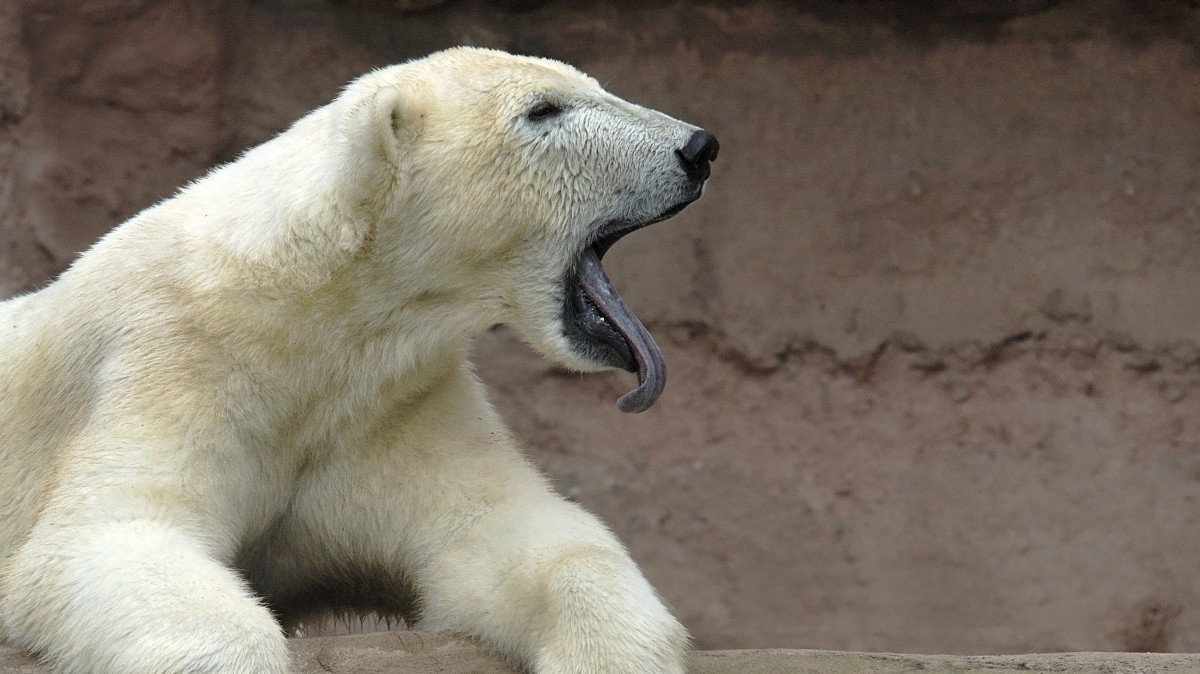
(546, 583)
(444, 495)
(136, 596)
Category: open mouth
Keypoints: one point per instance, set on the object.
(601, 326)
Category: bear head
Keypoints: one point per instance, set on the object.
(507, 180)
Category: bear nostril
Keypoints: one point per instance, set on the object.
(700, 149)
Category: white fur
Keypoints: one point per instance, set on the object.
(261, 384)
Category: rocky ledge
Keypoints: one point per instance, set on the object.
(423, 653)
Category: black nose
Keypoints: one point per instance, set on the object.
(701, 149)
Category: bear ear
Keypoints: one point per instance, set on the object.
(397, 116)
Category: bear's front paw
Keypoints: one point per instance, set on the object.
(607, 619)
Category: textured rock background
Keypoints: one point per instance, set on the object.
(932, 333)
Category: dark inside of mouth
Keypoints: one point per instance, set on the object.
(599, 324)
(612, 332)
(594, 323)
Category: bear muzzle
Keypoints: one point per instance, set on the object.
(598, 322)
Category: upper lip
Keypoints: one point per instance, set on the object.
(615, 230)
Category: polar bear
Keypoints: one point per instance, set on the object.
(253, 402)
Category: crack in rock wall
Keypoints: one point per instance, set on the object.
(932, 331)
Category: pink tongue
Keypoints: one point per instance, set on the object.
(651, 369)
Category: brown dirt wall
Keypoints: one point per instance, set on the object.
(932, 332)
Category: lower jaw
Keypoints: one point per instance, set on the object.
(622, 334)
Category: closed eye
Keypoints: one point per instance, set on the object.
(543, 111)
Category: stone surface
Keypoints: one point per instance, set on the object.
(932, 333)
(420, 653)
